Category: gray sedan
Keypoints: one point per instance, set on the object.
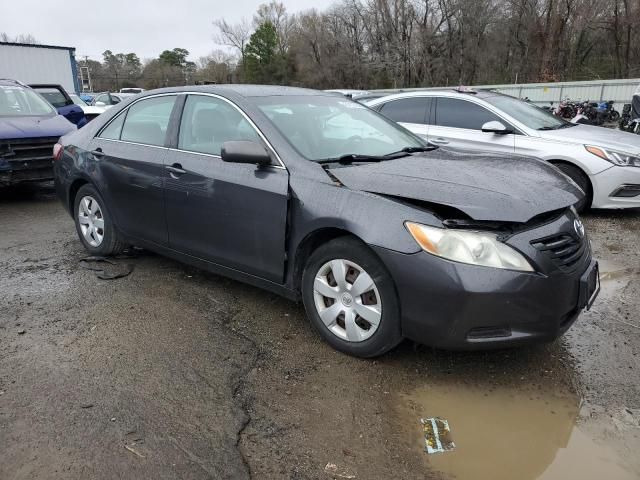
(319, 198)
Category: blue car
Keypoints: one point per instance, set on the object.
(29, 128)
(57, 96)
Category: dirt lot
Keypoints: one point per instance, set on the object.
(175, 373)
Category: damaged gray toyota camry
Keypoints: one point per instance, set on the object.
(318, 198)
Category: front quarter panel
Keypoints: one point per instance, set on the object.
(376, 220)
(550, 150)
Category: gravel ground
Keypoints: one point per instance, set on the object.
(172, 372)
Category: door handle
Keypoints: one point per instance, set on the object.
(175, 170)
(97, 152)
(439, 140)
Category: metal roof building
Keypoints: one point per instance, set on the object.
(39, 64)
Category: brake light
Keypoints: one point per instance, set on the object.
(57, 151)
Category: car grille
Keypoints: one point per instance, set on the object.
(564, 250)
(20, 153)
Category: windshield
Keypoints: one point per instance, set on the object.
(77, 100)
(324, 127)
(526, 113)
(16, 101)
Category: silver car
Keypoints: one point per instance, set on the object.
(605, 163)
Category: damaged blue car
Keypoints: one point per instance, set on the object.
(29, 127)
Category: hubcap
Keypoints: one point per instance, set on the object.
(347, 300)
(91, 221)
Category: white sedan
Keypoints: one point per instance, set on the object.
(605, 163)
(90, 111)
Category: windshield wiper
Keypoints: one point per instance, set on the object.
(352, 157)
(558, 127)
(428, 148)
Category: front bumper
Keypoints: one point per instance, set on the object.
(455, 306)
(31, 171)
(611, 187)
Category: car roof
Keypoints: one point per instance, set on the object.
(8, 82)
(449, 92)
(237, 89)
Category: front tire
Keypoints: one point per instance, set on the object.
(350, 298)
(94, 223)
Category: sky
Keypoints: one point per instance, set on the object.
(144, 27)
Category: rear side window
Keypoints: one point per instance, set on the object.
(147, 121)
(407, 110)
(208, 122)
(113, 130)
(453, 112)
(53, 96)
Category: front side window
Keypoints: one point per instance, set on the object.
(113, 130)
(17, 101)
(324, 127)
(208, 122)
(147, 121)
(457, 113)
(407, 110)
(103, 99)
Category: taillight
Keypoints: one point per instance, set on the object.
(57, 151)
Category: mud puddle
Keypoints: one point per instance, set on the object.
(503, 434)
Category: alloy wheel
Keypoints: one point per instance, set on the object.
(91, 220)
(347, 300)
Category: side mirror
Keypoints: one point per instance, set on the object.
(243, 151)
(496, 127)
(100, 104)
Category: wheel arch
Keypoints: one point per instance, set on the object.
(73, 191)
(557, 162)
(310, 243)
(589, 193)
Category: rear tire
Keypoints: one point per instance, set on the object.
(581, 179)
(350, 298)
(94, 223)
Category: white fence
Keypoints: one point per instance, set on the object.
(620, 91)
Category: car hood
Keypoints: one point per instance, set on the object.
(486, 187)
(29, 127)
(93, 110)
(599, 136)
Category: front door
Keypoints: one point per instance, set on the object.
(130, 155)
(229, 214)
(458, 124)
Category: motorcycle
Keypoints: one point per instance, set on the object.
(627, 123)
(606, 112)
(565, 110)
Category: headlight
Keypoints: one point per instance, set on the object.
(614, 156)
(474, 248)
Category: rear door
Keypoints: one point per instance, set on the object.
(130, 152)
(227, 213)
(411, 113)
(458, 123)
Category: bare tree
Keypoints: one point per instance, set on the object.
(233, 35)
